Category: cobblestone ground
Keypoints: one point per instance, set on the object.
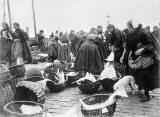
(66, 103)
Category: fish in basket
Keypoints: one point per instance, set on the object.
(89, 84)
(58, 81)
(30, 91)
(69, 67)
(101, 105)
(23, 109)
(54, 67)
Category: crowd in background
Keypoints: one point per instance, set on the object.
(135, 47)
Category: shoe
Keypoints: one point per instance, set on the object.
(145, 98)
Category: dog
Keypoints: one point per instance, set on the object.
(124, 82)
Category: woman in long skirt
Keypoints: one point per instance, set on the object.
(64, 49)
(90, 57)
(6, 41)
(20, 48)
(143, 64)
(53, 51)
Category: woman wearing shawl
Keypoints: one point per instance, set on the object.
(73, 39)
(143, 61)
(20, 47)
(64, 49)
(116, 42)
(53, 50)
(90, 57)
(6, 41)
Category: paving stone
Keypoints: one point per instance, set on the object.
(60, 103)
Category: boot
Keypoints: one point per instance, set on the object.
(146, 96)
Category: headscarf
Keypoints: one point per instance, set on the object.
(16, 24)
(4, 23)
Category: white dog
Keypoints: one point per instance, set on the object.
(124, 82)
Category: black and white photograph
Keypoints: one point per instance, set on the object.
(79, 58)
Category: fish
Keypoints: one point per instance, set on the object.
(112, 98)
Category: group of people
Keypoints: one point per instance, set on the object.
(135, 47)
(14, 44)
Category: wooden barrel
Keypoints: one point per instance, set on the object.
(6, 92)
(29, 91)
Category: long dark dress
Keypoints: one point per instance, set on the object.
(5, 46)
(74, 40)
(64, 49)
(117, 41)
(20, 47)
(147, 78)
(90, 56)
(41, 44)
(53, 51)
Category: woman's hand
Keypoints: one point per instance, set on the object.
(139, 51)
(122, 59)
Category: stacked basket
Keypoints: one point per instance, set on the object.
(17, 74)
(6, 92)
(29, 91)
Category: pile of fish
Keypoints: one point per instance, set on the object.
(87, 81)
(56, 78)
(30, 110)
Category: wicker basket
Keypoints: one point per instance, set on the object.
(12, 109)
(34, 78)
(17, 70)
(15, 81)
(90, 88)
(6, 92)
(55, 87)
(109, 83)
(99, 98)
(29, 91)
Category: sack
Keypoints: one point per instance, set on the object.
(141, 62)
(108, 72)
(110, 57)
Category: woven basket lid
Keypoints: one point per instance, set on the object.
(33, 72)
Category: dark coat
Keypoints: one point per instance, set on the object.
(117, 41)
(90, 56)
(147, 78)
(20, 34)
